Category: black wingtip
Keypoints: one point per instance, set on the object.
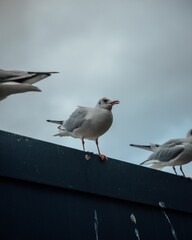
(143, 162)
(48, 73)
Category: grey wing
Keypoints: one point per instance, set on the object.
(146, 147)
(76, 119)
(166, 154)
(18, 76)
(22, 77)
(173, 142)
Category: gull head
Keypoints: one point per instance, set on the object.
(106, 103)
(189, 133)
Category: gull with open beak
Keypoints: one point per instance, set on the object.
(88, 123)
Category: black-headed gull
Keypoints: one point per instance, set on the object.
(12, 82)
(88, 123)
(175, 152)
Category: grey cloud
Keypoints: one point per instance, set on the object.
(137, 52)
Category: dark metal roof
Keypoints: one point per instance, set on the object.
(99, 185)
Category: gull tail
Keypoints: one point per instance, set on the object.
(62, 134)
(147, 162)
(155, 163)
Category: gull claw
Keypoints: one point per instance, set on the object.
(103, 157)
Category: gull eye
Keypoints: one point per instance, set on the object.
(105, 100)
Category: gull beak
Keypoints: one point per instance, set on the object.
(115, 102)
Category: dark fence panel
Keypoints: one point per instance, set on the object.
(49, 191)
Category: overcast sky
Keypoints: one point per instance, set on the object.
(136, 51)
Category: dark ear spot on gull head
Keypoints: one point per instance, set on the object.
(189, 133)
(107, 103)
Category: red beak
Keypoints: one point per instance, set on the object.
(115, 102)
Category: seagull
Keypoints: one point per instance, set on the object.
(88, 123)
(175, 155)
(12, 82)
(153, 146)
(175, 152)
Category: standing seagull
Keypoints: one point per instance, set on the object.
(88, 123)
(12, 82)
(175, 152)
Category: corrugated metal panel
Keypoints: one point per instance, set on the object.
(51, 192)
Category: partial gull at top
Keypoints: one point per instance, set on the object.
(88, 123)
(175, 152)
(12, 82)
